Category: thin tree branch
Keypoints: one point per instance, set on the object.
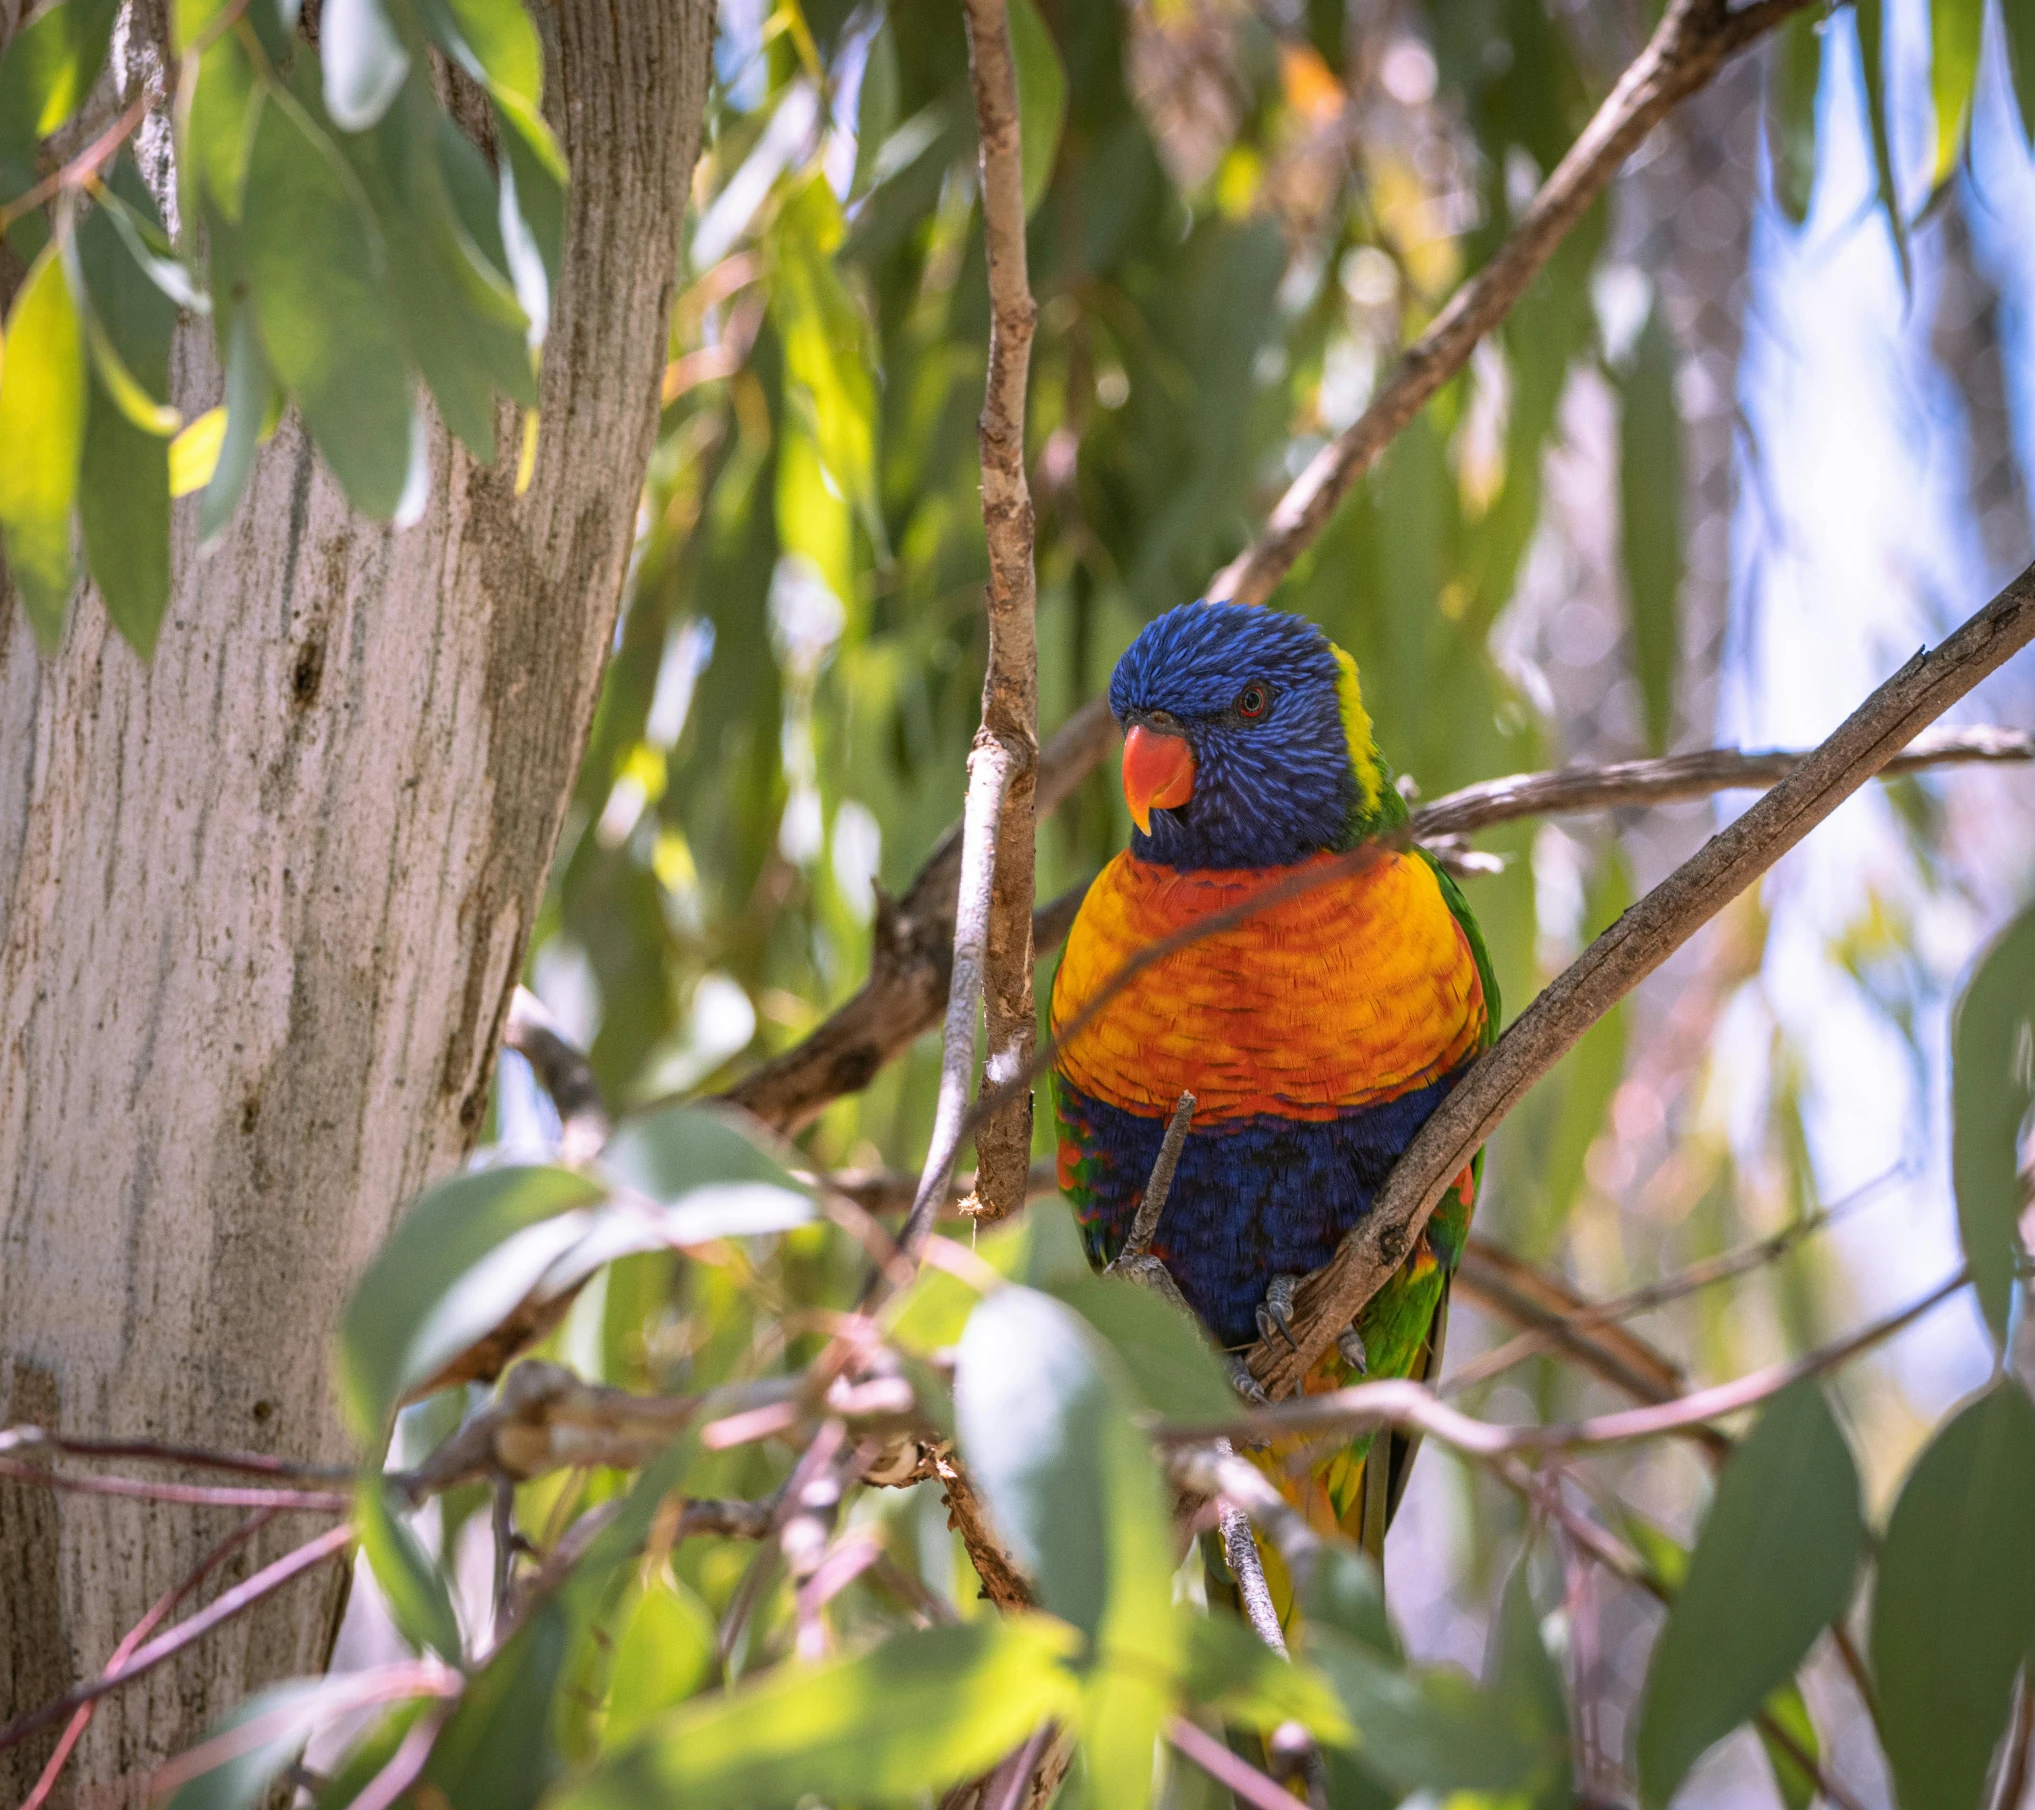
(195, 1495)
(1629, 951)
(1002, 1581)
(1196, 1744)
(1145, 1224)
(1395, 1402)
(1010, 686)
(158, 1613)
(1687, 48)
(222, 1609)
(247, 1464)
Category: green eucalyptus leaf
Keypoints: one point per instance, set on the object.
(1870, 16)
(2019, 21)
(1166, 1354)
(664, 1653)
(250, 390)
(43, 406)
(316, 264)
(912, 1715)
(1992, 1079)
(1787, 1713)
(226, 107)
(532, 212)
(260, 1740)
(1794, 76)
(1525, 1681)
(1773, 1568)
(50, 66)
(1954, 1609)
(457, 1262)
(420, 1603)
(495, 42)
(497, 1750)
(1650, 498)
(1231, 1671)
(1955, 30)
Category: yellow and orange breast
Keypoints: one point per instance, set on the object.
(1353, 992)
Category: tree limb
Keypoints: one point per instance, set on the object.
(1629, 951)
(1687, 48)
(1010, 686)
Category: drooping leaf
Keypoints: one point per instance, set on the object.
(124, 498)
(50, 66)
(316, 265)
(1165, 1353)
(270, 1730)
(42, 426)
(1650, 499)
(495, 42)
(1955, 30)
(1786, 1713)
(1041, 96)
(704, 1163)
(496, 1750)
(910, 1716)
(1774, 1566)
(2020, 31)
(226, 107)
(663, 1654)
(419, 1601)
(532, 214)
(249, 389)
(363, 60)
(1347, 1594)
(1954, 1608)
(431, 1289)
(1992, 1070)
(875, 106)
(1524, 1679)
(1794, 75)
(1870, 18)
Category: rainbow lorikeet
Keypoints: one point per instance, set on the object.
(1316, 1035)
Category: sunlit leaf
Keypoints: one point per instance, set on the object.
(431, 1289)
(1774, 1566)
(912, 1715)
(494, 42)
(1954, 1608)
(363, 60)
(1650, 512)
(42, 426)
(315, 263)
(1787, 1714)
(419, 1601)
(663, 1654)
(1042, 98)
(50, 66)
(1794, 74)
(704, 1164)
(194, 453)
(1955, 29)
(1992, 1067)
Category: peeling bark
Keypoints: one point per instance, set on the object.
(262, 906)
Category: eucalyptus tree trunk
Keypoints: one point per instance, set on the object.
(262, 904)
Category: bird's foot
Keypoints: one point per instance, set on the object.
(1242, 1381)
(1350, 1342)
(1275, 1312)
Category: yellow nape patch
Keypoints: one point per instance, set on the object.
(1357, 727)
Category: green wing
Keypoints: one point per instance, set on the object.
(1459, 909)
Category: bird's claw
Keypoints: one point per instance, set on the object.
(1350, 1342)
(1275, 1312)
(1242, 1381)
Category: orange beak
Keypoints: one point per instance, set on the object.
(1158, 773)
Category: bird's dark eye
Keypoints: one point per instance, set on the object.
(1253, 701)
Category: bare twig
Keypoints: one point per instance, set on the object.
(1395, 1402)
(195, 1495)
(222, 1609)
(1002, 1581)
(1691, 42)
(1585, 1318)
(1146, 1222)
(1010, 687)
(563, 1071)
(158, 1613)
(149, 1451)
(1629, 951)
(1195, 1743)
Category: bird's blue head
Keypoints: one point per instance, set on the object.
(1246, 741)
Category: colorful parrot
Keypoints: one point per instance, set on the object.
(1316, 1035)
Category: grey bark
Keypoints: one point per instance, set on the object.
(263, 903)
